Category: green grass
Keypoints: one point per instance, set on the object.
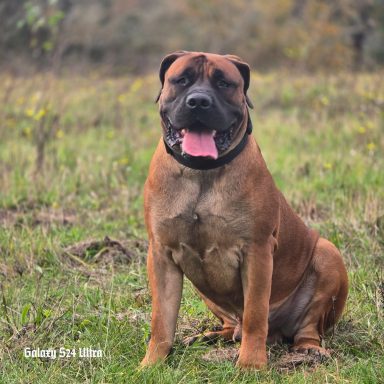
(322, 137)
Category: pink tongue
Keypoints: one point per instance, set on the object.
(199, 144)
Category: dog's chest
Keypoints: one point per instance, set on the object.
(207, 230)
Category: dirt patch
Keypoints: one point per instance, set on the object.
(286, 363)
(6, 216)
(11, 270)
(52, 216)
(290, 361)
(278, 356)
(43, 217)
(105, 252)
(219, 355)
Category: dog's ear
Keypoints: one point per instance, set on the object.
(165, 64)
(245, 72)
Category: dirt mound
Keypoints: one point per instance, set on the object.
(291, 361)
(105, 252)
(284, 362)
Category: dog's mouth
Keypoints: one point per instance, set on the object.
(199, 141)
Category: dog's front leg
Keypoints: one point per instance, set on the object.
(166, 283)
(256, 274)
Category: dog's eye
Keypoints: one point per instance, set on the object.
(223, 84)
(182, 81)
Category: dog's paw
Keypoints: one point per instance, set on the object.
(150, 361)
(248, 362)
(310, 349)
(209, 337)
(188, 341)
(145, 363)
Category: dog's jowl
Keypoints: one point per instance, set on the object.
(214, 215)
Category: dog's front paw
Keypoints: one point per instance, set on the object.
(150, 360)
(156, 353)
(253, 360)
(144, 363)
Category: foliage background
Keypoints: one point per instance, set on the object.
(130, 35)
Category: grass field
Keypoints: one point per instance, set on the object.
(74, 154)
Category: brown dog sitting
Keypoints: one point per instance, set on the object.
(214, 214)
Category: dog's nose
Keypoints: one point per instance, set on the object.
(198, 100)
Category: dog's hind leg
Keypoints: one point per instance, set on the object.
(328, 300)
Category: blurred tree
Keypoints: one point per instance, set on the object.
(362, 23)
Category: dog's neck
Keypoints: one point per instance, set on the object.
(203, 163)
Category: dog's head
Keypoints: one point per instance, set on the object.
(203, 102)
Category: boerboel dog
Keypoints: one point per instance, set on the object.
(214, 214)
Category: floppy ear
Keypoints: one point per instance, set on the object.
(245, 73)
(165, 64)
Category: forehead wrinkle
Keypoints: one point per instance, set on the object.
(224, 69)
(200, 65)
(189, 63)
